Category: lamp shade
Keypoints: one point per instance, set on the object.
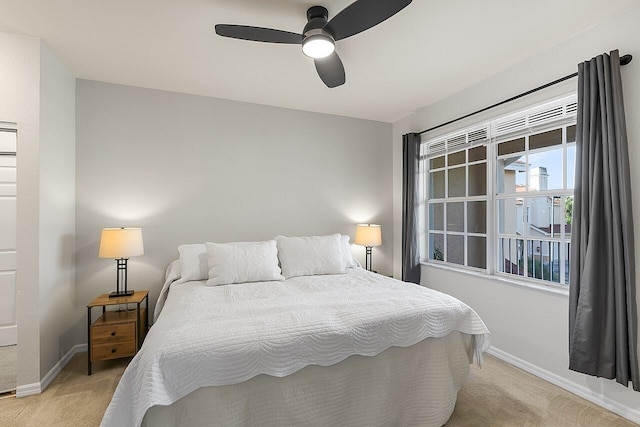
(368, 235)
(121, 243)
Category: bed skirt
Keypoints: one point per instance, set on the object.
(412, 386)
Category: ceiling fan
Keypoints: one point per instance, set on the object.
(319, 35)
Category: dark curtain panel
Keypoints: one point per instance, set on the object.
(410, 203)
(602, 298)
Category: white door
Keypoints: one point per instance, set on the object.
(8, 332)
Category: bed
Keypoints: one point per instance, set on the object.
(354, 349)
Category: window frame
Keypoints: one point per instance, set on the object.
(563, 193)
(445, 201)
(492, 197)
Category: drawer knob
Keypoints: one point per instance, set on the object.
(113, 334)
(113, 350)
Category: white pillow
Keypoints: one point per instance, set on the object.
(242, 262)
(193, 262)
(307, 256)
(346, 250)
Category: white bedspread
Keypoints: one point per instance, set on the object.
(213, 336)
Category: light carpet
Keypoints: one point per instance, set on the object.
(497, 395)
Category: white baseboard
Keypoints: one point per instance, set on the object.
(28, 390)
(630, 413)
(37, 388)
(53, 373)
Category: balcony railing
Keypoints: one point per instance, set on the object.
(535, 259)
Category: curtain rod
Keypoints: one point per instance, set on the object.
(624, 60)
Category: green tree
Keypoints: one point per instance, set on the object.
(568, 210)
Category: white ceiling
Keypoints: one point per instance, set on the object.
(428, 51)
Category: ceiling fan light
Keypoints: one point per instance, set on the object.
(318, 46)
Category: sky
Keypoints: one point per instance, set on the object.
(552, 160)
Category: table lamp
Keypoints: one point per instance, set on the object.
(120, 244)
(368, 235)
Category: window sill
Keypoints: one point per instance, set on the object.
(552, 289)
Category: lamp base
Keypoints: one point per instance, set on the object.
(367, 259)
(120, 294)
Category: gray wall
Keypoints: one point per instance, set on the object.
(57, 209)
(527, 323)
(19, 103)
(193, 169)
(38, 93)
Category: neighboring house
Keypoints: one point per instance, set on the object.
(543, 219)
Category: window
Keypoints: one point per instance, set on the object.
(458, 207)
(499, 196)
(534, 186)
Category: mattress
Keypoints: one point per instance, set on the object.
(227, 335)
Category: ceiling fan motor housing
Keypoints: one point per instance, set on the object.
(317, 43)
(315, 12)
(317, 19)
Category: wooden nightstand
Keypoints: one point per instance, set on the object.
(117, 334)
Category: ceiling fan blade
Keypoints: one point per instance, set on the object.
(331, 70)
(362, 15)
(257, 34)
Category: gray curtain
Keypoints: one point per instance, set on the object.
(410, 203)
(602, 298)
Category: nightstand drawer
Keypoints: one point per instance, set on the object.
(112, 333)
(113, 351)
